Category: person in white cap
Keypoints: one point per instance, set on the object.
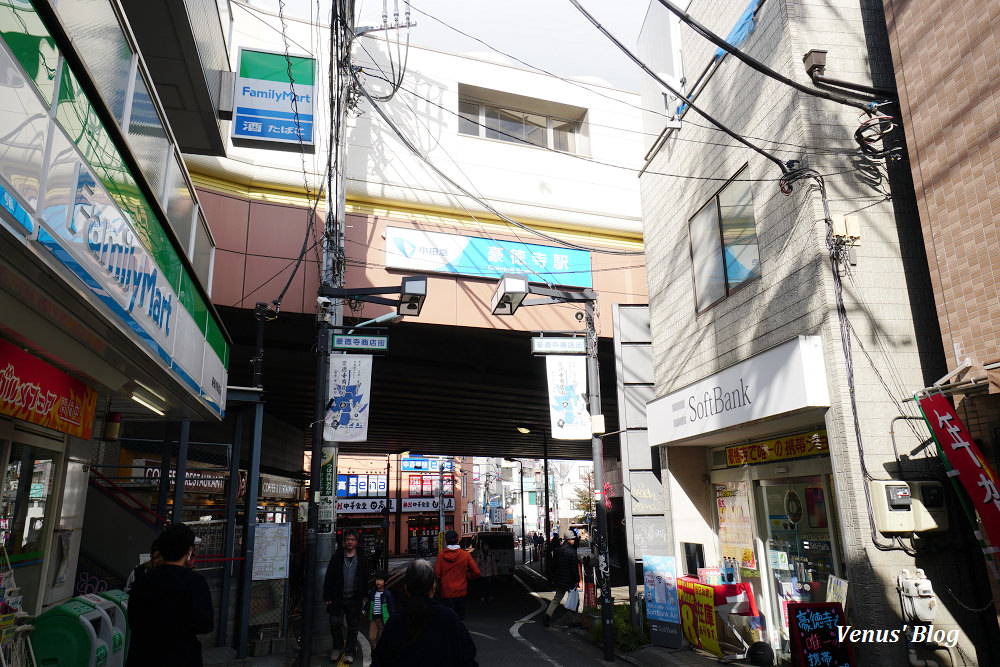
(565, 573)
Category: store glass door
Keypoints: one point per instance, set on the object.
(27, 505)
(802, 547)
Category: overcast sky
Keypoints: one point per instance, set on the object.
(551, 34)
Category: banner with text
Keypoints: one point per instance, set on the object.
(350, 396)
(660, 577)
(735, 530)
(956, 446)
(36, 392)
(697, 604)
(567, 378)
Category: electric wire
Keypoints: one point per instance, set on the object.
(592, 160)
(416, 151)
(704, 114)
(753, 62)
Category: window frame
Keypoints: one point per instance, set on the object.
(550, 122)
(714, 201)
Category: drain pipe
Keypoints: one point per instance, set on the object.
(911, 650)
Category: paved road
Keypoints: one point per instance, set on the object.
(508, 631)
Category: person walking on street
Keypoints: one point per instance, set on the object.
(487, 570)
(170, 607)
(424, 633)
(454, 567)
(380, 607)
(343, 591)
(566, 573)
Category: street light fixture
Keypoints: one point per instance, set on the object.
(509, 295)
(412, 292)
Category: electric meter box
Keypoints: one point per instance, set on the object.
(892, 506)
(930, 512)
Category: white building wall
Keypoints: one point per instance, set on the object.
(531, 184)
(795, 292)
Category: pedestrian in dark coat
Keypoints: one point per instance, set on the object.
(565, 573)
(170, 607)
(424, 633)
(344, 589)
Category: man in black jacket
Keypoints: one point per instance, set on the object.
(170, 607)
(344, 589)
(565, 573)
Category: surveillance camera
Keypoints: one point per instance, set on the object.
(579, 316)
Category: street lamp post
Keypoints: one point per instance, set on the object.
(509, 295)
(521, 472)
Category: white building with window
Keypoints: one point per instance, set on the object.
(782, 376)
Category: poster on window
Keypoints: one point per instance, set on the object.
(567, 379)
(428, 486)
(416, 488)
(350, 392)
(735, 528)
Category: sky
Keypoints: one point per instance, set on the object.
(549, 34)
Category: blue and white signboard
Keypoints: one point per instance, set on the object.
(422, 464)
(660, 577)
(350, 398)
(567, 378)
(274, 97)
(413, 249)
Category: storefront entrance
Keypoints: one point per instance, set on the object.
(778, 530)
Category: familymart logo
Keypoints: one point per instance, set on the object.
(274, 97)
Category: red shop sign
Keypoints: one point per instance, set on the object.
(966, 462)
(34, 391)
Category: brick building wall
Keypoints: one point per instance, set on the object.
(947, 67)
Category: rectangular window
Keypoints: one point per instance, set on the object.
(724, 253)
(517, 126)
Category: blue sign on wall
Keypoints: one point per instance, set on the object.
(474, 256)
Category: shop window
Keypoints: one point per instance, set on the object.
(25, 510)
(724, 253)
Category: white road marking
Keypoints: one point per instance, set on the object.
(515, 629)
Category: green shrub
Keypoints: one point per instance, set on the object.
(627, 638)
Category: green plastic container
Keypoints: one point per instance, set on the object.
(114, 630)
(69, 636)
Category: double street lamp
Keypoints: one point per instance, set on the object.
(510, 294)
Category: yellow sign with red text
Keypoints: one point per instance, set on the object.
(778, 449)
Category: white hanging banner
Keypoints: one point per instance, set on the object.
(350, 396)
(567, 391)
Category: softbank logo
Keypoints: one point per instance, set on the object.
(712, 401)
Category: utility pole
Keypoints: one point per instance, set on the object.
(597, 451)
(320, 538)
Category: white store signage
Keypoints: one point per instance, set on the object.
(786, 378)
(427, 505)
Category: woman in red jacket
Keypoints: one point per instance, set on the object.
(453, 569)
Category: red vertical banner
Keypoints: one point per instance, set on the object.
(966, 462)
(34, 391)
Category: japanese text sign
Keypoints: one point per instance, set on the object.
(966, 461)
(274, 97)
(697, 605)
(815, 641)
(777, 449)
(34, 391)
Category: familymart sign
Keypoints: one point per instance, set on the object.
(274, 97)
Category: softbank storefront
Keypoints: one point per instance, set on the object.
(749, 486)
